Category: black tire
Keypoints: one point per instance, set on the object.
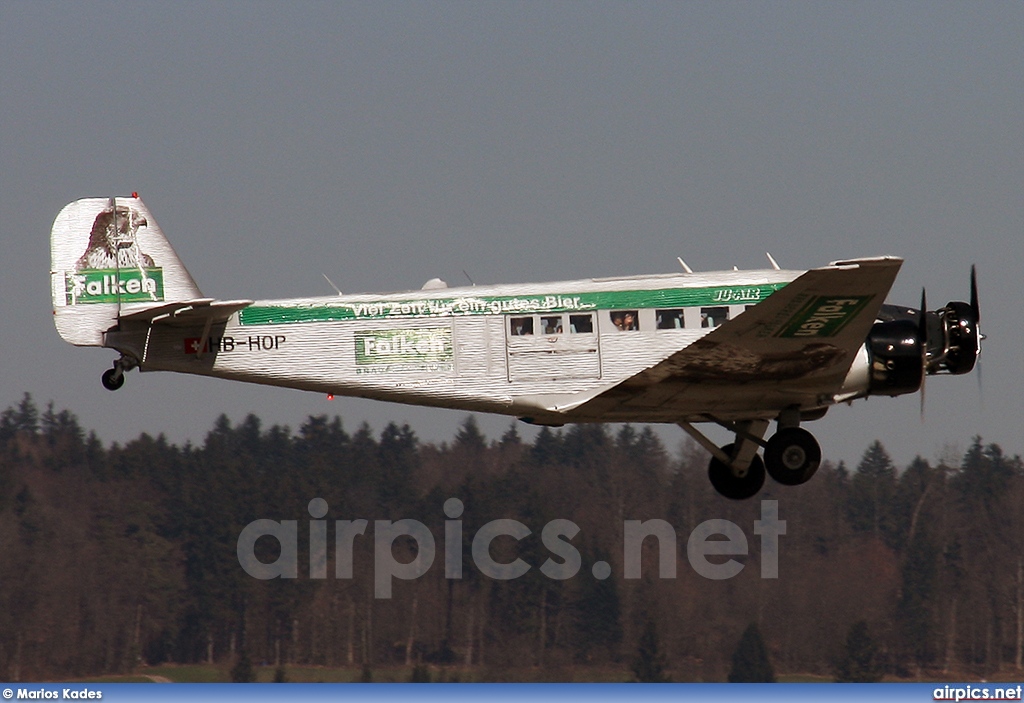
(734, 487)
(792, 456)
(113, 379)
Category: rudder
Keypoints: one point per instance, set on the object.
(108, 256)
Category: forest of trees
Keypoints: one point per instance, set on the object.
(114, 557)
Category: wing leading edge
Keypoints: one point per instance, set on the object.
(793, 349)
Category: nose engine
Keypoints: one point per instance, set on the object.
(907, 344)
(961, 340)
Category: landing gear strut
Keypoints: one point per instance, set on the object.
(736, 471)
(113, 378)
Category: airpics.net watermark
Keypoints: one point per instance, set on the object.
(555, 536)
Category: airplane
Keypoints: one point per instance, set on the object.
(740, 349)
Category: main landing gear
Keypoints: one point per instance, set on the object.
(113, 378)
(791, 456)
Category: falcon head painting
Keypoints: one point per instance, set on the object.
(113, 243)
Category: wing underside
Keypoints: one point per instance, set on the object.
(792, 350)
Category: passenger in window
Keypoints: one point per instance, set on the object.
(669, 319)
(522, 326)
(625, 320)
(552, 325)
(713, 317)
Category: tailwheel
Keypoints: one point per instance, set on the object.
(736, 484)
(113, 378)
(792, 456)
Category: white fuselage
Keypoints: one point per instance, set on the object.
(524, 349)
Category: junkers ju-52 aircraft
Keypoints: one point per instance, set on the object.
(736, 348)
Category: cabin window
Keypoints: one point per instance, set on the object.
(669, 319)
(624, 320)
(551, 324)
(581, 324)
(521, 326)
(713, 317)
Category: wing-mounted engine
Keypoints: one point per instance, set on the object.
(905, 345)
(894, 358)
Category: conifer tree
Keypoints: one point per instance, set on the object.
(750, 662)
(242, 671)
(598, 612)
(860, 662)
(470, 436)
(649, 664)
(914, 615)
(872, 491)
(420, 674)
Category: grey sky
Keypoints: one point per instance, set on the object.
(387, 143)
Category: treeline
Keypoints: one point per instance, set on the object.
(116, 556)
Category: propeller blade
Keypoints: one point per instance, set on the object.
(922, 330)
(922, 342)
(975, 308)
(981, 388)
(976, 311)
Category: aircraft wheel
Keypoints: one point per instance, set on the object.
(734, 487)
(113, 379)
(792, 456)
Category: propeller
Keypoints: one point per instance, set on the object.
(961, 329)
(976, 312)
(922, 344)
(975, 308)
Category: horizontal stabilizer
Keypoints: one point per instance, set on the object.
(188, 312)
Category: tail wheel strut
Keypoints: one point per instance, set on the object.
(113, 378)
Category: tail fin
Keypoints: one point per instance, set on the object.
(108, 257)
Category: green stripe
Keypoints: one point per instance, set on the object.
(330, 311)
(114, 286)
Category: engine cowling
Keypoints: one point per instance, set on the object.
(906, 344)
(895, 360)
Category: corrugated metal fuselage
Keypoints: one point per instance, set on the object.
(529, 350)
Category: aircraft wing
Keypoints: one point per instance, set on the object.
(188, 312)
(792, 349)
